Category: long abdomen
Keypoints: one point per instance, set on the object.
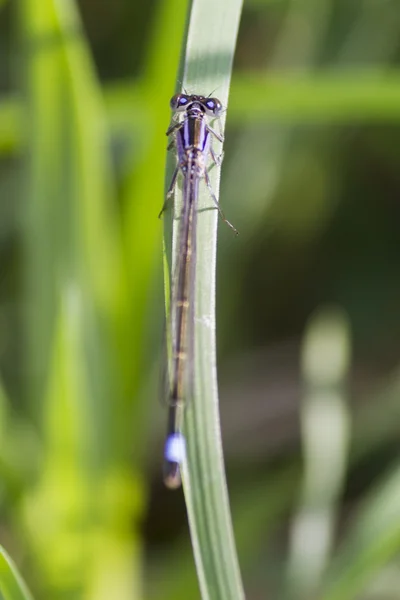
(182, 317)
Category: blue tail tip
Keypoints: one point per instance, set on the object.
(175, 448)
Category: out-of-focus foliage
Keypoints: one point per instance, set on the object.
(311, 180)
(12, 585)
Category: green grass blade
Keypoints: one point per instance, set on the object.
(269, 499)
(338, 95)
(78, 318)
(12, 586)
(325, 428)
(371, 543)
(207, 67)
(335, 95)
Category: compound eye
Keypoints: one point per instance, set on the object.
(214, 106)
(178, 102)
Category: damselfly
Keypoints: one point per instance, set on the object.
(192, 139)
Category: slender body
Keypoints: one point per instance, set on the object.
(192, 140)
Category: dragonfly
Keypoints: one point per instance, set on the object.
(192, 137)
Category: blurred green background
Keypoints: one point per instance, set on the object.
(307, 306)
